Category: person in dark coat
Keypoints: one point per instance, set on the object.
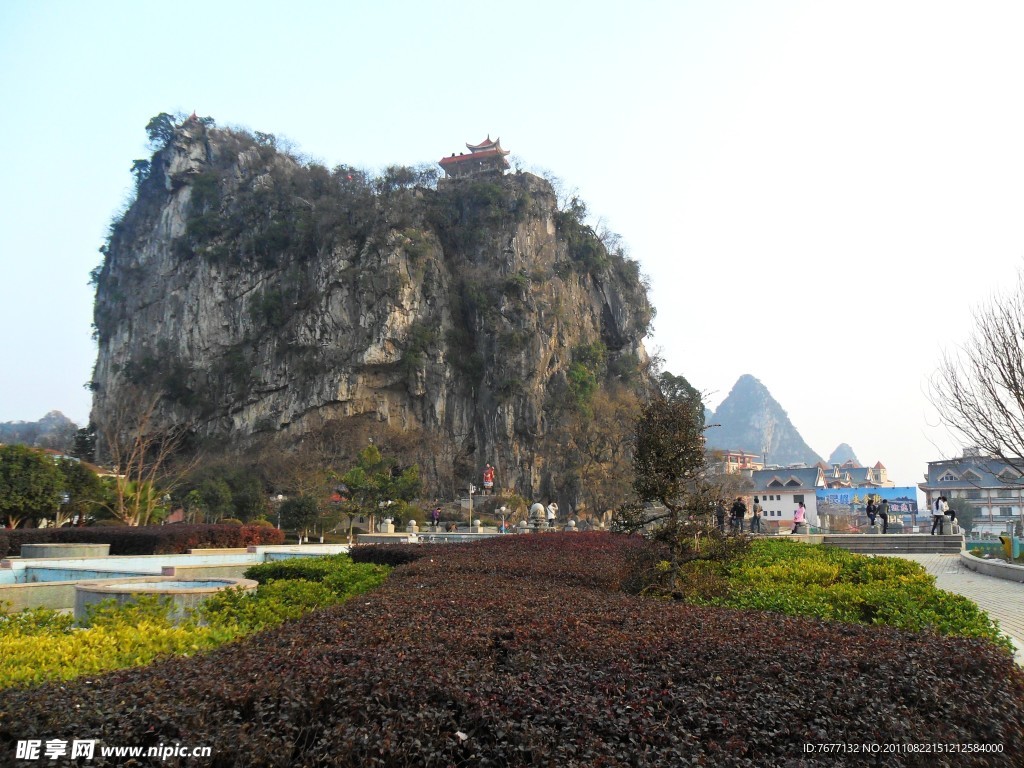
(720, 515)
(739, 511)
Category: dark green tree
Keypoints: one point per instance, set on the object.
(30, 484)
(300, 514)
(376, 480)
(669, 456)
(248, 495)
(82, 492)
(85, 443)
(215, 494)
(674, 499)
(676, 388)
(160, 130)
(141, 169)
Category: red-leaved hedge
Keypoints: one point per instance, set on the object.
(143, 540)
(524, 650)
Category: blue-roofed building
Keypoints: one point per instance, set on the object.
(853, 475)
(780, 490)
(991, 486)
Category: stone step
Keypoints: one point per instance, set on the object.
(953, 544)
(900, 549)
(882, 543)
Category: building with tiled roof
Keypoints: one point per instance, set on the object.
(780, 490)
(990, 485)
(852, 475)
(484, 159)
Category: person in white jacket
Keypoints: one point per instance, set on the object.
(939, 509)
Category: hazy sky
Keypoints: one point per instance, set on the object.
(819, 191)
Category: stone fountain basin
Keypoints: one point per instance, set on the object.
(184, 594)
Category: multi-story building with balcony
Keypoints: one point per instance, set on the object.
(990, 485)
(733, 462)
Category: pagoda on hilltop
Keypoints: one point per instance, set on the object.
(484, 159)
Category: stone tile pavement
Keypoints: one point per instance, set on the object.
(1002, 600)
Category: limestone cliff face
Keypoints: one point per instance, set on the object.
(264, 298)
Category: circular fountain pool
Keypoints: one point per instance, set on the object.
(184, 594)
(177, 585)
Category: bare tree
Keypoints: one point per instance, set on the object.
(591, 451)
(979, 390)
(144, 456)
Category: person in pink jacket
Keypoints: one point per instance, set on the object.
(800, 516)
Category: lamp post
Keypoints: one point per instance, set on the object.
(503, 509)
(469, 523)
(280, 500)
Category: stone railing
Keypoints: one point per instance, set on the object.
(997, 568)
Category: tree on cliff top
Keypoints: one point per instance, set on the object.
(160, 130)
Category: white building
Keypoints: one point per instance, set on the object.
(781, 490)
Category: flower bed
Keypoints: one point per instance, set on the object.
(524, 650)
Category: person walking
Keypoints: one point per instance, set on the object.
(435, 517)
(739, 511)
(938, 514)
(755, 519)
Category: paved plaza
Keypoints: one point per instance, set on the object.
(1002, 600)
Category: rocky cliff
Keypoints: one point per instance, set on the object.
(262, 298)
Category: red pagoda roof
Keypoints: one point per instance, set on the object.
(455, 159)
(487, 144)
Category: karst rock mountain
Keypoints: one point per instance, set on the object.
(258, 299)
(750, 419)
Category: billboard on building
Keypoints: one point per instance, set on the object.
(854, 501)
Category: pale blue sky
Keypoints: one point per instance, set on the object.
(813, 187)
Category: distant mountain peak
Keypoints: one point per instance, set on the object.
(842, 454)
(750, 419)
(54, 430)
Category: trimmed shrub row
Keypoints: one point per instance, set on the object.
(831, 583)
(143, 540)
(523, 651)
